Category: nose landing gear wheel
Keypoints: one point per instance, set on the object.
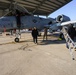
(16, 40)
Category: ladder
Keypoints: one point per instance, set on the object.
(69, 42)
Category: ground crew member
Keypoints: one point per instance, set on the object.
(45, 33)
(35, 35)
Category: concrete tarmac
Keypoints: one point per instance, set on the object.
(49, 57)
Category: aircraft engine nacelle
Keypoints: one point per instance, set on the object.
(62, 18)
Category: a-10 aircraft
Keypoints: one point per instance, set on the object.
(17, 19)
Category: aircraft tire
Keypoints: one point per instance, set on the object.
(16, 39)
(61, 36)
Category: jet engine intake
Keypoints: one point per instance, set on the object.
(62, 18)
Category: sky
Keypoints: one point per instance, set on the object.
(68, 10)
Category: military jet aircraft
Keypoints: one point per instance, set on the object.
(19, 18)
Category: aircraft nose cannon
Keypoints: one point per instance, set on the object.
(62, 18)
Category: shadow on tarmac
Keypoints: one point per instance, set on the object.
(46, 42)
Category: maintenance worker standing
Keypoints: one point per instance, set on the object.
(35, 35)
(45, 33)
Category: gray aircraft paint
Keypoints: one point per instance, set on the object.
(9, 22)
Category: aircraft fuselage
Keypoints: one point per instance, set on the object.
(10, 22)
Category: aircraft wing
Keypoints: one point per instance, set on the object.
(36, 7)
(68, 22)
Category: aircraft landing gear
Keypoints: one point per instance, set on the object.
(61, 36)
(18, 36)
(16, 39)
